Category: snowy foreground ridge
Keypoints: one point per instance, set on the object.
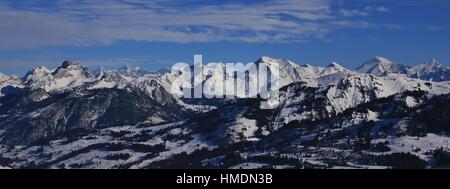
(380, 115)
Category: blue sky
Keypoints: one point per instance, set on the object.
(156, 34)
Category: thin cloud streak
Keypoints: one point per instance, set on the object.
(85, 23)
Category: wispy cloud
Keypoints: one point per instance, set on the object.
(376, 8)
(353, 12)
(87, 22)
(435, 28)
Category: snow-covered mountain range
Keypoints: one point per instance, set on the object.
(382, 114)
(430, 70)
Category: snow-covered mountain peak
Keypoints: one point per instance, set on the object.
(266, 59)
(133, 71)
(311, 74)
(378, 62)
(430, 70)
(3, 77)
(70, 68)
(163, 71)
(382, 60)
(99, 71)
(433, 62)
(381, 66)
(68, 74)
(289, 71)
(70, 64)
(37, 72)
(336, 66)
(432, 65)
(6, 80)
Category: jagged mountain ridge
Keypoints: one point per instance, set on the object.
(52, 110)
(47, 103)
(431, 70)
(342, 87)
